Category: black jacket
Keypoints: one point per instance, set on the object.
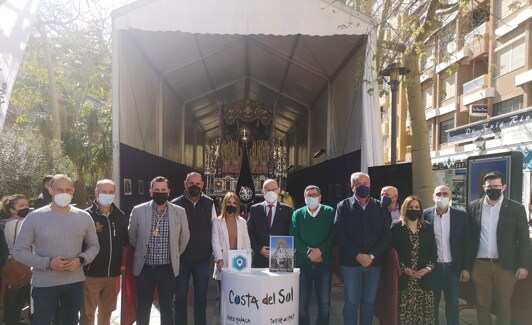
(459, 238)
(199, 218)
(358, 230)
(513, 242)
(427, 253)
(112, 236)
(260, 231)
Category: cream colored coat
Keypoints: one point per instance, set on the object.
(220, 241)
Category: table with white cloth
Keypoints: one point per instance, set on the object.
(259, 297)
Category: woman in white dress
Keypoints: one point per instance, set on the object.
(229, 232)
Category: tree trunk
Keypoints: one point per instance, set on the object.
(422, 178)
(52, 86)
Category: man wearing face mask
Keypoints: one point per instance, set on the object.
(389, 200)
(159, 232)
(362, 231)
(501, 245)
(270, 217)
(312, 230)
(57, 240)
(101, 287)
(452, 233)
(196, 260)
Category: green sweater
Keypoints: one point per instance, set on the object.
(313, 232)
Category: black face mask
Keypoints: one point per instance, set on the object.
(194, 190)
(494, 193)
(230, 209)
(413, 215)
(159, 198)
(386, 201)
(23, 212)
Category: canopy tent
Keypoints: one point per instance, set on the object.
(176, 62)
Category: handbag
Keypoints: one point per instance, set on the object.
(16, 274)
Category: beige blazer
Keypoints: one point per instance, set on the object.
(220, 241)
(139, 233)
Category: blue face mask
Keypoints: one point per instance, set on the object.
(362, 191)
(385, 201)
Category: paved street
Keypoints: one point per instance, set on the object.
(467, 317)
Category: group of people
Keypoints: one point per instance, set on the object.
(438, 248)
(76, 255)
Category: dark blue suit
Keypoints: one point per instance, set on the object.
(447, 277)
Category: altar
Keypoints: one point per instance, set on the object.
(246, 125)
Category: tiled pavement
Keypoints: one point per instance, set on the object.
(467, 316)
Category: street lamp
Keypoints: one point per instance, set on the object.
(394, 72)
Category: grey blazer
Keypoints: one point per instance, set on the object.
(139, 233)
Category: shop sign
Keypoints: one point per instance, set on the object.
(489, 127)
(449, 164)
(478, 110)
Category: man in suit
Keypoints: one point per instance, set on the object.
(453, 241)
(159, 231)
(362, 231)
(501, 245)
(270, 217)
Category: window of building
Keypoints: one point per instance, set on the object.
(427, 98)
(506, 7)
(448, 87)
(444, 126)
(510, 57)
(507, 106)
(428, 58)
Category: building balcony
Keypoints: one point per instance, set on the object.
(476, 42)
(476, 90)
(523, 78)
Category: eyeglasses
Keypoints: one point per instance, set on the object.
(493, 187)
(313, 195)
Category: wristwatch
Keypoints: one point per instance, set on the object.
(81, 260)
(372, 256)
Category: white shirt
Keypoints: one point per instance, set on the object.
(9, 233)
(442, 230)
(315, 212)
(488, 229)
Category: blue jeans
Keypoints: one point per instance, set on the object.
(150, 277)
(46, 300)
(360, 290)
(201, 273)
(321, 275)
(446, 280)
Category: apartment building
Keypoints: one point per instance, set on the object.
(477, 91)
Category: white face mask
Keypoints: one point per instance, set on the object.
(442, 202)
(106, 199)
(312, 202)
(270, 197)
(62, 199)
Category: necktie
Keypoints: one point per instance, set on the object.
(270, 215)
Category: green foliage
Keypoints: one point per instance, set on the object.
(81, 58)
(25, 158)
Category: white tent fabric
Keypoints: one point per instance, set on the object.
(16, 21)
(175, 62)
